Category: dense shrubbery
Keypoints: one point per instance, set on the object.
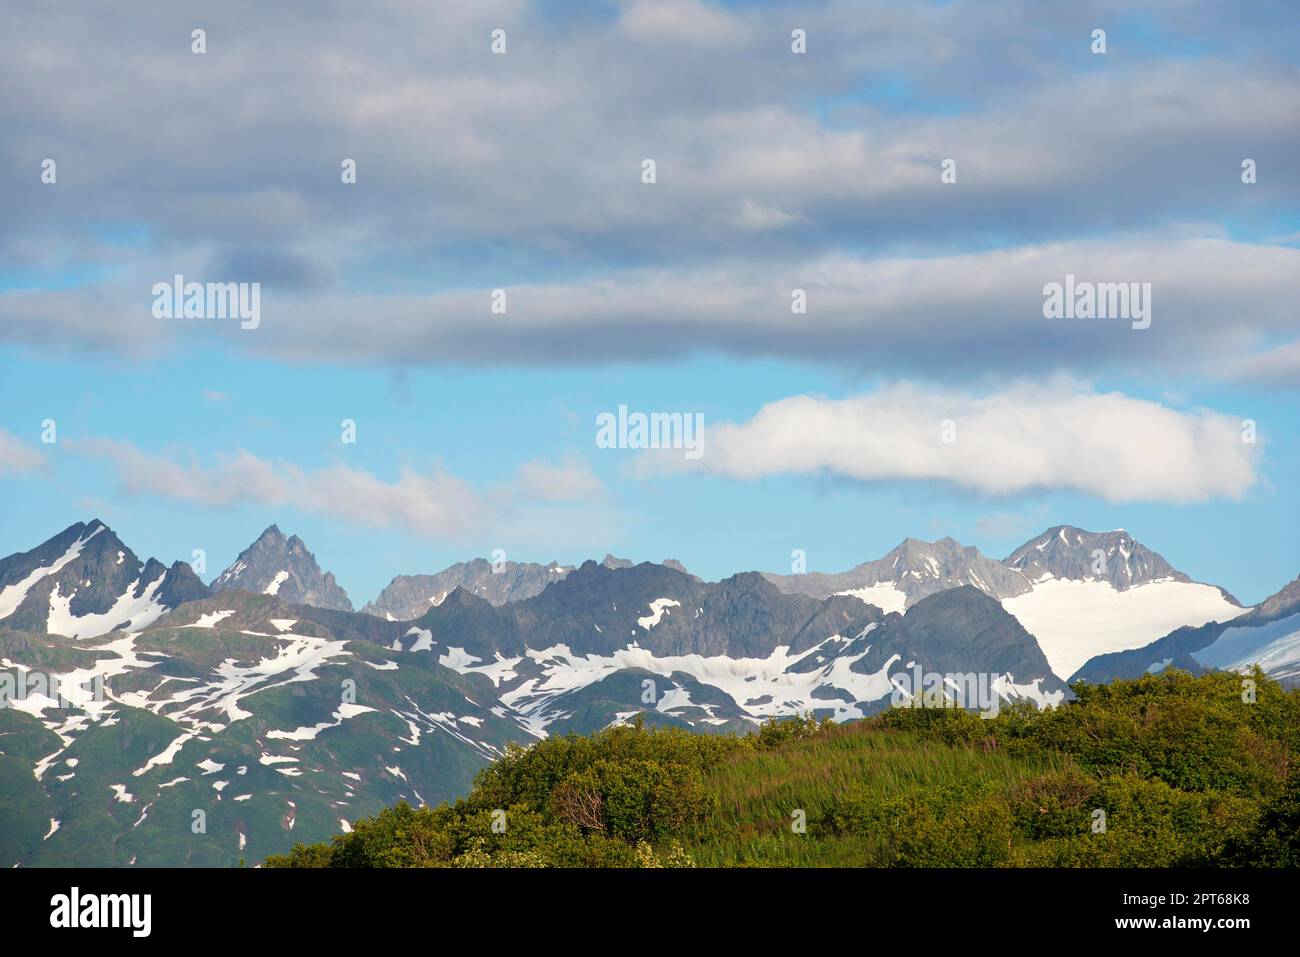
(1165, 770)
(1275, 839)
(617, 798)
(962, 824)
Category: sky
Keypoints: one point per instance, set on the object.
(839, 267)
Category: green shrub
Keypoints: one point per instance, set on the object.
(1056, 804)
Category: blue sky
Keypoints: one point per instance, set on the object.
(481, 424)
(821, 172)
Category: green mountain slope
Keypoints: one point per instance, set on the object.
(225, 732)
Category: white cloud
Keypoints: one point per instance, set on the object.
(745, 133)
(774, 170)
(570, 481)
(1021, 439)
(230, 480)
(17, 457)
(433, 504)
(1277, 366)
(759, 217)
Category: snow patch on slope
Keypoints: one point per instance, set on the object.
(12, 595)
(344, 712)
(658, 608)
(762, 687)
(424, 641)
(128, 611)
(886, 596)
(1275, 647)
(1077, 620)
(211, 619)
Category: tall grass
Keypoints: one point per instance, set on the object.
(758, 792)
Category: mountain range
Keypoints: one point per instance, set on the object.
(137, 695)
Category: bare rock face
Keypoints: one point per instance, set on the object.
(1068, 552)
(275, 565)
(410, 596)
(917, 569)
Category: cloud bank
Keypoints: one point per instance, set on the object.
(1016, 441)
(775, 171)
(432, 505)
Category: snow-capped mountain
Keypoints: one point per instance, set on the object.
(1079, 593)
(283, 722)
(277, 727)
(721, 654)
(286, 718)
(1099, 592)
(1068, 552)
(275, 565)
(909, 573)
(85, 582)
(410, 596)
(1268, 635)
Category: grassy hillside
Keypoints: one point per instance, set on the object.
(1165, 770)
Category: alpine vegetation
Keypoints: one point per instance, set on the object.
(909, 788)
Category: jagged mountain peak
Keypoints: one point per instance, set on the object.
(95, 530)
(1069, 552)
(965, 623)
(677, 566)
(85, 582)
(910, 571)
(408, 597)
(283, 567)
(915, 549)
(1285, 601)
(594, 574)
(461, 597)
(921, 544)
